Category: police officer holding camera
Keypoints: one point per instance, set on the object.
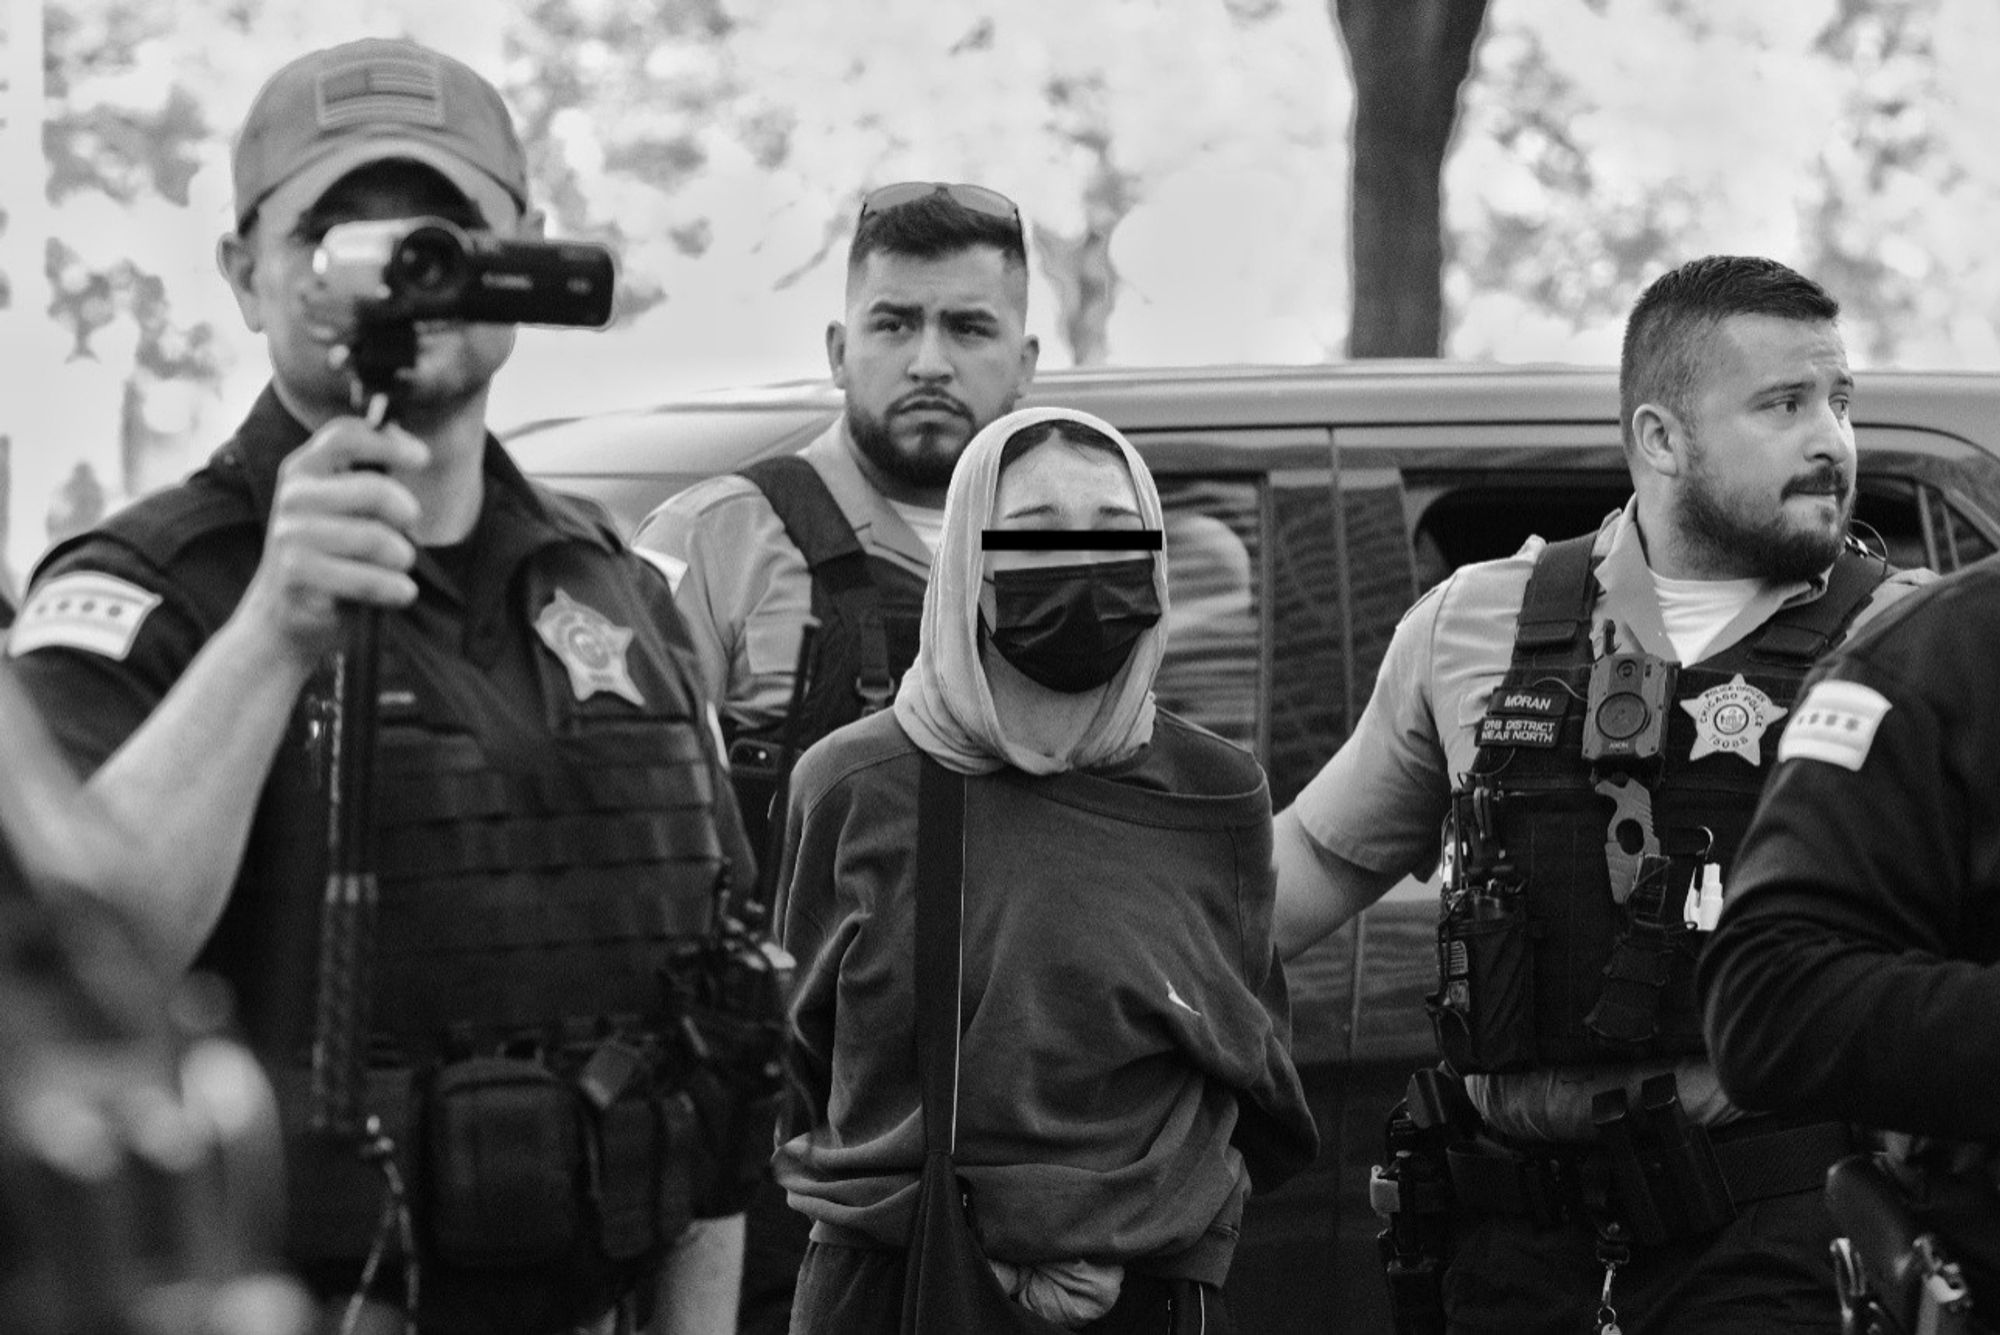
(549, 1070)
(1590, 721)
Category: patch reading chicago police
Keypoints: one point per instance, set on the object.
(1731, 719)
(1836, 723)
(590, 646)
(95, 612)
(1523, 716)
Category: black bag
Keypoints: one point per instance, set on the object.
(503, 1146)
(545, 1192)
(949, 1288)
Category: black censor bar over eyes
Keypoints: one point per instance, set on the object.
(1070, 539)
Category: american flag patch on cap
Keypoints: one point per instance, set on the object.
(382, 88)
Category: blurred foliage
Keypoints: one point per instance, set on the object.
(1886, 163)
(696, 137)
(1182, 164)
(1836, 135)
(616, 103)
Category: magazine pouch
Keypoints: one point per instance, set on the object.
(503, 1142)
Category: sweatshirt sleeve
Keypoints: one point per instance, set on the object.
(1844, 979)
(807, 895)
(1275, 1131)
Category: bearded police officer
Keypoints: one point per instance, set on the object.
(1590, 721)
(934, 346)
(1853, 974)
(553, 820)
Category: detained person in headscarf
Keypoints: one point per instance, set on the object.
(1124, 1076)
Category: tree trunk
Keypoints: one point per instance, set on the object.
(1079, 267)
(1408, 58)
(10, 588)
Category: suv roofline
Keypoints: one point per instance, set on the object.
(1467, 392)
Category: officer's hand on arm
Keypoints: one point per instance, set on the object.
(183, 788)
(1318, 890)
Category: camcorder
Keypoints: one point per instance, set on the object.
(403, 270)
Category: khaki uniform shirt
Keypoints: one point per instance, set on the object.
(742, 586)
(1381, 800)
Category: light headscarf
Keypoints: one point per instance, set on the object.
(946, 702)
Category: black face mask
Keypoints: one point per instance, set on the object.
(1071, 627)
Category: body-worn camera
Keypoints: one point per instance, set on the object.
(1627, 708)
(429, 269)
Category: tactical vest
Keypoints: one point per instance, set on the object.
(531, 895)
(533, 900)
(869, 612)
(1560, 943)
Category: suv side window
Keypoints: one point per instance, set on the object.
(1215, 604)
(1463, 509)
(1484, 522)
(1254, 649)
(1950, 533)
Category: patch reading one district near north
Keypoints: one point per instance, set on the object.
(1523, 716)
(87, 610)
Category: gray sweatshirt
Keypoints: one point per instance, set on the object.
(1124, 1071)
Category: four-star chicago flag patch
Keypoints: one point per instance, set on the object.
(86, 610)
(1836, 722)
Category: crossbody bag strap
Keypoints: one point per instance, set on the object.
(940, 914)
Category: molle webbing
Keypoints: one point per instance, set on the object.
(517, 902)
(440, 822)
(549, 844)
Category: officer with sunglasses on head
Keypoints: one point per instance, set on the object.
(932, 348)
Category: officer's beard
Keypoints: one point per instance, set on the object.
(1737, 533)
(925, 463)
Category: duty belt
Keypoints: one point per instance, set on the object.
(1661, 1197)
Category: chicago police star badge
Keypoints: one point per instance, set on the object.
(590, 646)
(1731, 718)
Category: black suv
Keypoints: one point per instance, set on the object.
(1306, 508)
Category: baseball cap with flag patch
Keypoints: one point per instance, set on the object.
(331, 111)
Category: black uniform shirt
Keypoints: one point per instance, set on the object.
(1856, 971)
(114, 617)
